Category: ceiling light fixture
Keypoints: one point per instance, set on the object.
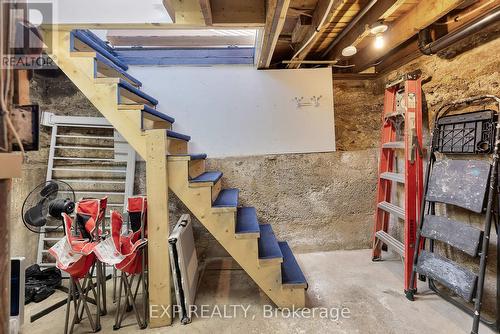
(378, 29)
(349, 51)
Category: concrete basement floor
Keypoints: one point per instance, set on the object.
(340, 279)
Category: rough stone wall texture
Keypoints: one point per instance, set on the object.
(311, 200)
(358, 106)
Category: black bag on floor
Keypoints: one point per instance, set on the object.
(40, 284)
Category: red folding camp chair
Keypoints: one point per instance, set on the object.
(131, 245)
(75, 255)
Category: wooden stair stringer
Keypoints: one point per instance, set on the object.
(220, 222)
(104, 96)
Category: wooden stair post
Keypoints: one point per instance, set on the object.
(158, 229)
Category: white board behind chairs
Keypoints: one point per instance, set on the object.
(239, 111)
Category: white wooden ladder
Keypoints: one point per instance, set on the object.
(94, 159)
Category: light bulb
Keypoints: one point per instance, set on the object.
(379, 41)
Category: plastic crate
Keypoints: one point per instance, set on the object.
(468, 133)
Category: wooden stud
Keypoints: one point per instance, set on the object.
(169, 6)
(158, 228)
(22, 92)
(206, 9)
(276, 16)
(155, 26)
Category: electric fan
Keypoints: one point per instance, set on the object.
(43, 207)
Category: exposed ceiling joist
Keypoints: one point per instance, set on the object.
(178, 38)
(422, 15)
(232, 13)
(206, 9)
(393, 9)
(276, 15)
(301, 27)
(321, 15)
(381, 9)
(238, 12)
(187, 12)
(169, 6)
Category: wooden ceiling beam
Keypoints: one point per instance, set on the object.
(381, 9)
(234, 12)
(322, 15)
(169, 6)
(206, 9)
(276, 16)
(186, 12)
(301, 27)
(423, 14)
(217, 12)
(180, 41)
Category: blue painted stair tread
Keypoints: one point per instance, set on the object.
(227, 198)
(83, 37)
(199, 156)
(112, 65)
(290, 269)
(207, 177)
(246, 221)
(125, 85)
(268, 244)
(177, 135)
(157, 114)
(99, 41)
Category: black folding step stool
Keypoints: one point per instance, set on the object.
(471, 185)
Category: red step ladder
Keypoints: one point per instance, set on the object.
(401, 133)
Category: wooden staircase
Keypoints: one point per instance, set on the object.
(102, 77)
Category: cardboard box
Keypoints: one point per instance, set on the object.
(10, 165)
